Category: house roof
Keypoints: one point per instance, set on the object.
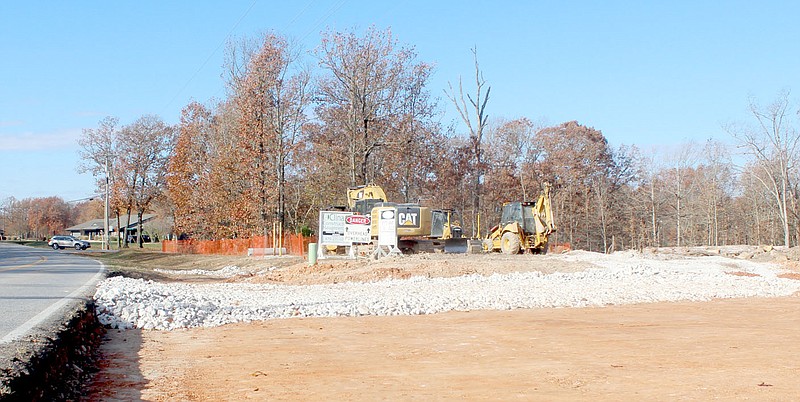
(98, 224)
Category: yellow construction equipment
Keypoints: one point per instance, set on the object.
(524, 226)
(362, 199)
(419, 228)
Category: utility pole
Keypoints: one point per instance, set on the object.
(106, 237)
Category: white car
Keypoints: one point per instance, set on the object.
(59, 242)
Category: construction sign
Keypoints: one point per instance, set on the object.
(358, 229)
(387, 227)
(332, 228)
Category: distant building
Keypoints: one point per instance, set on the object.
(94, 228)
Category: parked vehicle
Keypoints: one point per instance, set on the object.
(59, 242)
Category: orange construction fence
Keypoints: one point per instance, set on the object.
(295, 244)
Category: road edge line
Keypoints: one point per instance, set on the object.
(25, 327)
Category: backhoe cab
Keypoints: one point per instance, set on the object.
(524, 226)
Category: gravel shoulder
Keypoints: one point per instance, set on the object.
(738, 347)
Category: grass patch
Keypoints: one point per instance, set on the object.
(134, 262)
(147, 246)
(141, 263)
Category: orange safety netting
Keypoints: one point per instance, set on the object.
(293, 244)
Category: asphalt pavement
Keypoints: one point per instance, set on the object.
(36, 283)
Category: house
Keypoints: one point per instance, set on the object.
(94, 228)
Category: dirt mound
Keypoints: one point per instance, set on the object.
(294, 270)
(425, 265)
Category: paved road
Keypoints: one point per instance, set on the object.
(35, 283)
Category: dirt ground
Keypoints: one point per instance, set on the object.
(723, 349)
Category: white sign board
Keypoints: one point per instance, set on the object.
(358, 229)
(387, 227)
(332, 227)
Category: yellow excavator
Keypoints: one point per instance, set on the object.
(523, 227)
(362, 199)
(419, 228)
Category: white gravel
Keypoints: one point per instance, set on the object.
(620, 278)
(225, 272)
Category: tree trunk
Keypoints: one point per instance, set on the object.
(654, 239)
(785, 212)
(139, 230)
(125, 231)
(282, 190)
(119, 236)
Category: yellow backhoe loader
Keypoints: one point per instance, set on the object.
(524, 226)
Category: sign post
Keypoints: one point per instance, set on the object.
(387, 233)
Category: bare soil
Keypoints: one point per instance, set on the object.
(723, 349)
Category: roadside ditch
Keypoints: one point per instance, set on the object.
(55, 360)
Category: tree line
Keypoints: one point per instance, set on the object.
(289, 138)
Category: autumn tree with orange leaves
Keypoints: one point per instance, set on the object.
(575, 155)
(188, 170)
(270, 91)
(262, 155)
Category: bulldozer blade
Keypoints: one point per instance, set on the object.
(461, 246)
(456, 246)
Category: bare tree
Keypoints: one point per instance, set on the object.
(475, 117)
(717, 178)
(773, 144)
(360, 98)
(416, 134)
(145, 148)
(97, 145)
(652, 196)
(680, 180)
(98, 150)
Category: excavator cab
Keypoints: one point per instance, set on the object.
(362, 199)
(364, 207)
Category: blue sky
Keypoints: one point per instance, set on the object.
(653, 74)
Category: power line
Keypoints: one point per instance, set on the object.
(299, 14)
(322, 20)
(202, 66)
(331, 11)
